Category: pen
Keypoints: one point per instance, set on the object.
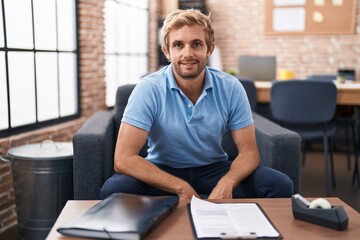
(238, 235)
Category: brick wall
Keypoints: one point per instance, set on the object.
(91, 49)
(92, 95)
(239, 27)
(154, 12)
(7, 199)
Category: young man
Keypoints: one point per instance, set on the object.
(183, 111)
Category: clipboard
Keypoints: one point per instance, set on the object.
(188, 206)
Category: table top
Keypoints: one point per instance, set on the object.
(177, 225)
(347, 85)
(347, 93)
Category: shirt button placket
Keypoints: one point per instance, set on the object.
(189, 106)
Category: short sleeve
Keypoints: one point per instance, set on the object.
(141, 108)
(240, 110)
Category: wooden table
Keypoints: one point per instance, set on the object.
(347, 94)
(177, 225)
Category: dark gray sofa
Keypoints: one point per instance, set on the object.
(94, 146)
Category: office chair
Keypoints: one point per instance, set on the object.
(350, 120)
(250, 89)
(308, 108)
(356, 173)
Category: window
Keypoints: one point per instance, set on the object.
(38, 64)
(126, 43)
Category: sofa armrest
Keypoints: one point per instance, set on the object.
(279, 148)
(94, 146)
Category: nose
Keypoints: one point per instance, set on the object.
(187, 51)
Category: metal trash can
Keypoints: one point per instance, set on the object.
(43, 182)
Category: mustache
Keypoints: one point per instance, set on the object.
(190, 60)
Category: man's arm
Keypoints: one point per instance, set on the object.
(127, 161)
(243, 165)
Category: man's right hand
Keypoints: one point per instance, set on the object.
(127, 161)
(185, 192)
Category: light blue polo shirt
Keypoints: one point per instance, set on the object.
(182, 134)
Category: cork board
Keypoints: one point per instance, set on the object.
(306, 17)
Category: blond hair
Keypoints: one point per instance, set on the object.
(188, 17)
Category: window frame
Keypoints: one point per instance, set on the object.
(118, 54)
(59, 119)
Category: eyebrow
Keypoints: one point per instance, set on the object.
(192, 41)
(197, 40)
(176, 42)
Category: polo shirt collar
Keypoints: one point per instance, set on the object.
(173, 85)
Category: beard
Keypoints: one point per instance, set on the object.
(195, 68)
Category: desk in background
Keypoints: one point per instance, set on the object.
(347, 94)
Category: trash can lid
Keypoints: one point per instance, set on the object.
(45, 150)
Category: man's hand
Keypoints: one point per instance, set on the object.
(242, 166)
(185, 192)
(223, 190)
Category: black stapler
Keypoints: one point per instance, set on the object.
(319, 212)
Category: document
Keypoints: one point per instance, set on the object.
(230, 220)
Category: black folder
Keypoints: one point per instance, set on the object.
(121, 216)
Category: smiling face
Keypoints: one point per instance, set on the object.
(188, 52)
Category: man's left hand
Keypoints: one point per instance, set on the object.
(223, 190)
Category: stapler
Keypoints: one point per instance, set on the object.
(319, 212)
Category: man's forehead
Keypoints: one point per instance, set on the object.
(187, 33)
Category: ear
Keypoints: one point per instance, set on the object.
(166, 53)
(211, 49)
